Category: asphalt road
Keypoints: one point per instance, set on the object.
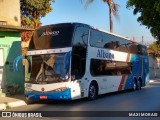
(145, 100)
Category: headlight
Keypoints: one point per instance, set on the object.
(28, 89)
(60, 89)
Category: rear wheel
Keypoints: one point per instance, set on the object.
(138, 85)
(93, 91)
(134, 85)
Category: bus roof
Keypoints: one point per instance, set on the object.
(86, 25)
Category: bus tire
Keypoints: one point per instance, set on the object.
(29, 101)
(93, 91)
(138, 85)
(134, 85)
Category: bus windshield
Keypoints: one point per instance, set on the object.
(53, 36)
(49, 68)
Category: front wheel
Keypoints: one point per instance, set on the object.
(93, 91)
(29, 101)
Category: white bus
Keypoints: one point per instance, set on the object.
(72, 60)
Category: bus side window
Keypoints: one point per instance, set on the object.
(144, 50)
(96, 39)
(133, 48)
(139, 49)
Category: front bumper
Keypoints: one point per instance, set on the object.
(62, 95)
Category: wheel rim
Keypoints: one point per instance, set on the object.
(134, 85)
(138, 85)
(92, 91)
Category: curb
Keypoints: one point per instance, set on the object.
(16, 104)
(4, 106)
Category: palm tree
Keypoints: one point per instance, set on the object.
(113, 10)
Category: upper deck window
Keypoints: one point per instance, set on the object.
(104, 40)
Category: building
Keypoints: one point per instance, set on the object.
(10, 47)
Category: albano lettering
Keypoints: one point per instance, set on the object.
(103, 54)
(53, 33)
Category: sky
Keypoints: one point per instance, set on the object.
(97, 15)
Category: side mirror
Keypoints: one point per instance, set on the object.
(16, 61)
(29, 61)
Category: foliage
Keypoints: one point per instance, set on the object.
(26, 36)
(149, 14)
(113, 9)
(154, 49)
(31, 12)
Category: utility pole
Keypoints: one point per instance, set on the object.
(142, 40)
(133, 38)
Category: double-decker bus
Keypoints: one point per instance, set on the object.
(73, 60)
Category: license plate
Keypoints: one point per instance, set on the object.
(43, 97)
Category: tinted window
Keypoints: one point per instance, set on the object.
(96, 39)
(52, 37)
(105, 67)
(123, 45)
(105, 40)
(79, 52)
(133, 47)
(139, 47)
(144, 50)
(48, 68)
(110, 42)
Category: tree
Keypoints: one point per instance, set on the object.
(149, 14)
(154, 49)
(31, 12)
(113, 10)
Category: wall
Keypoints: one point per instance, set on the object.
(10, 12)
(11, 45)
(154, 68)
